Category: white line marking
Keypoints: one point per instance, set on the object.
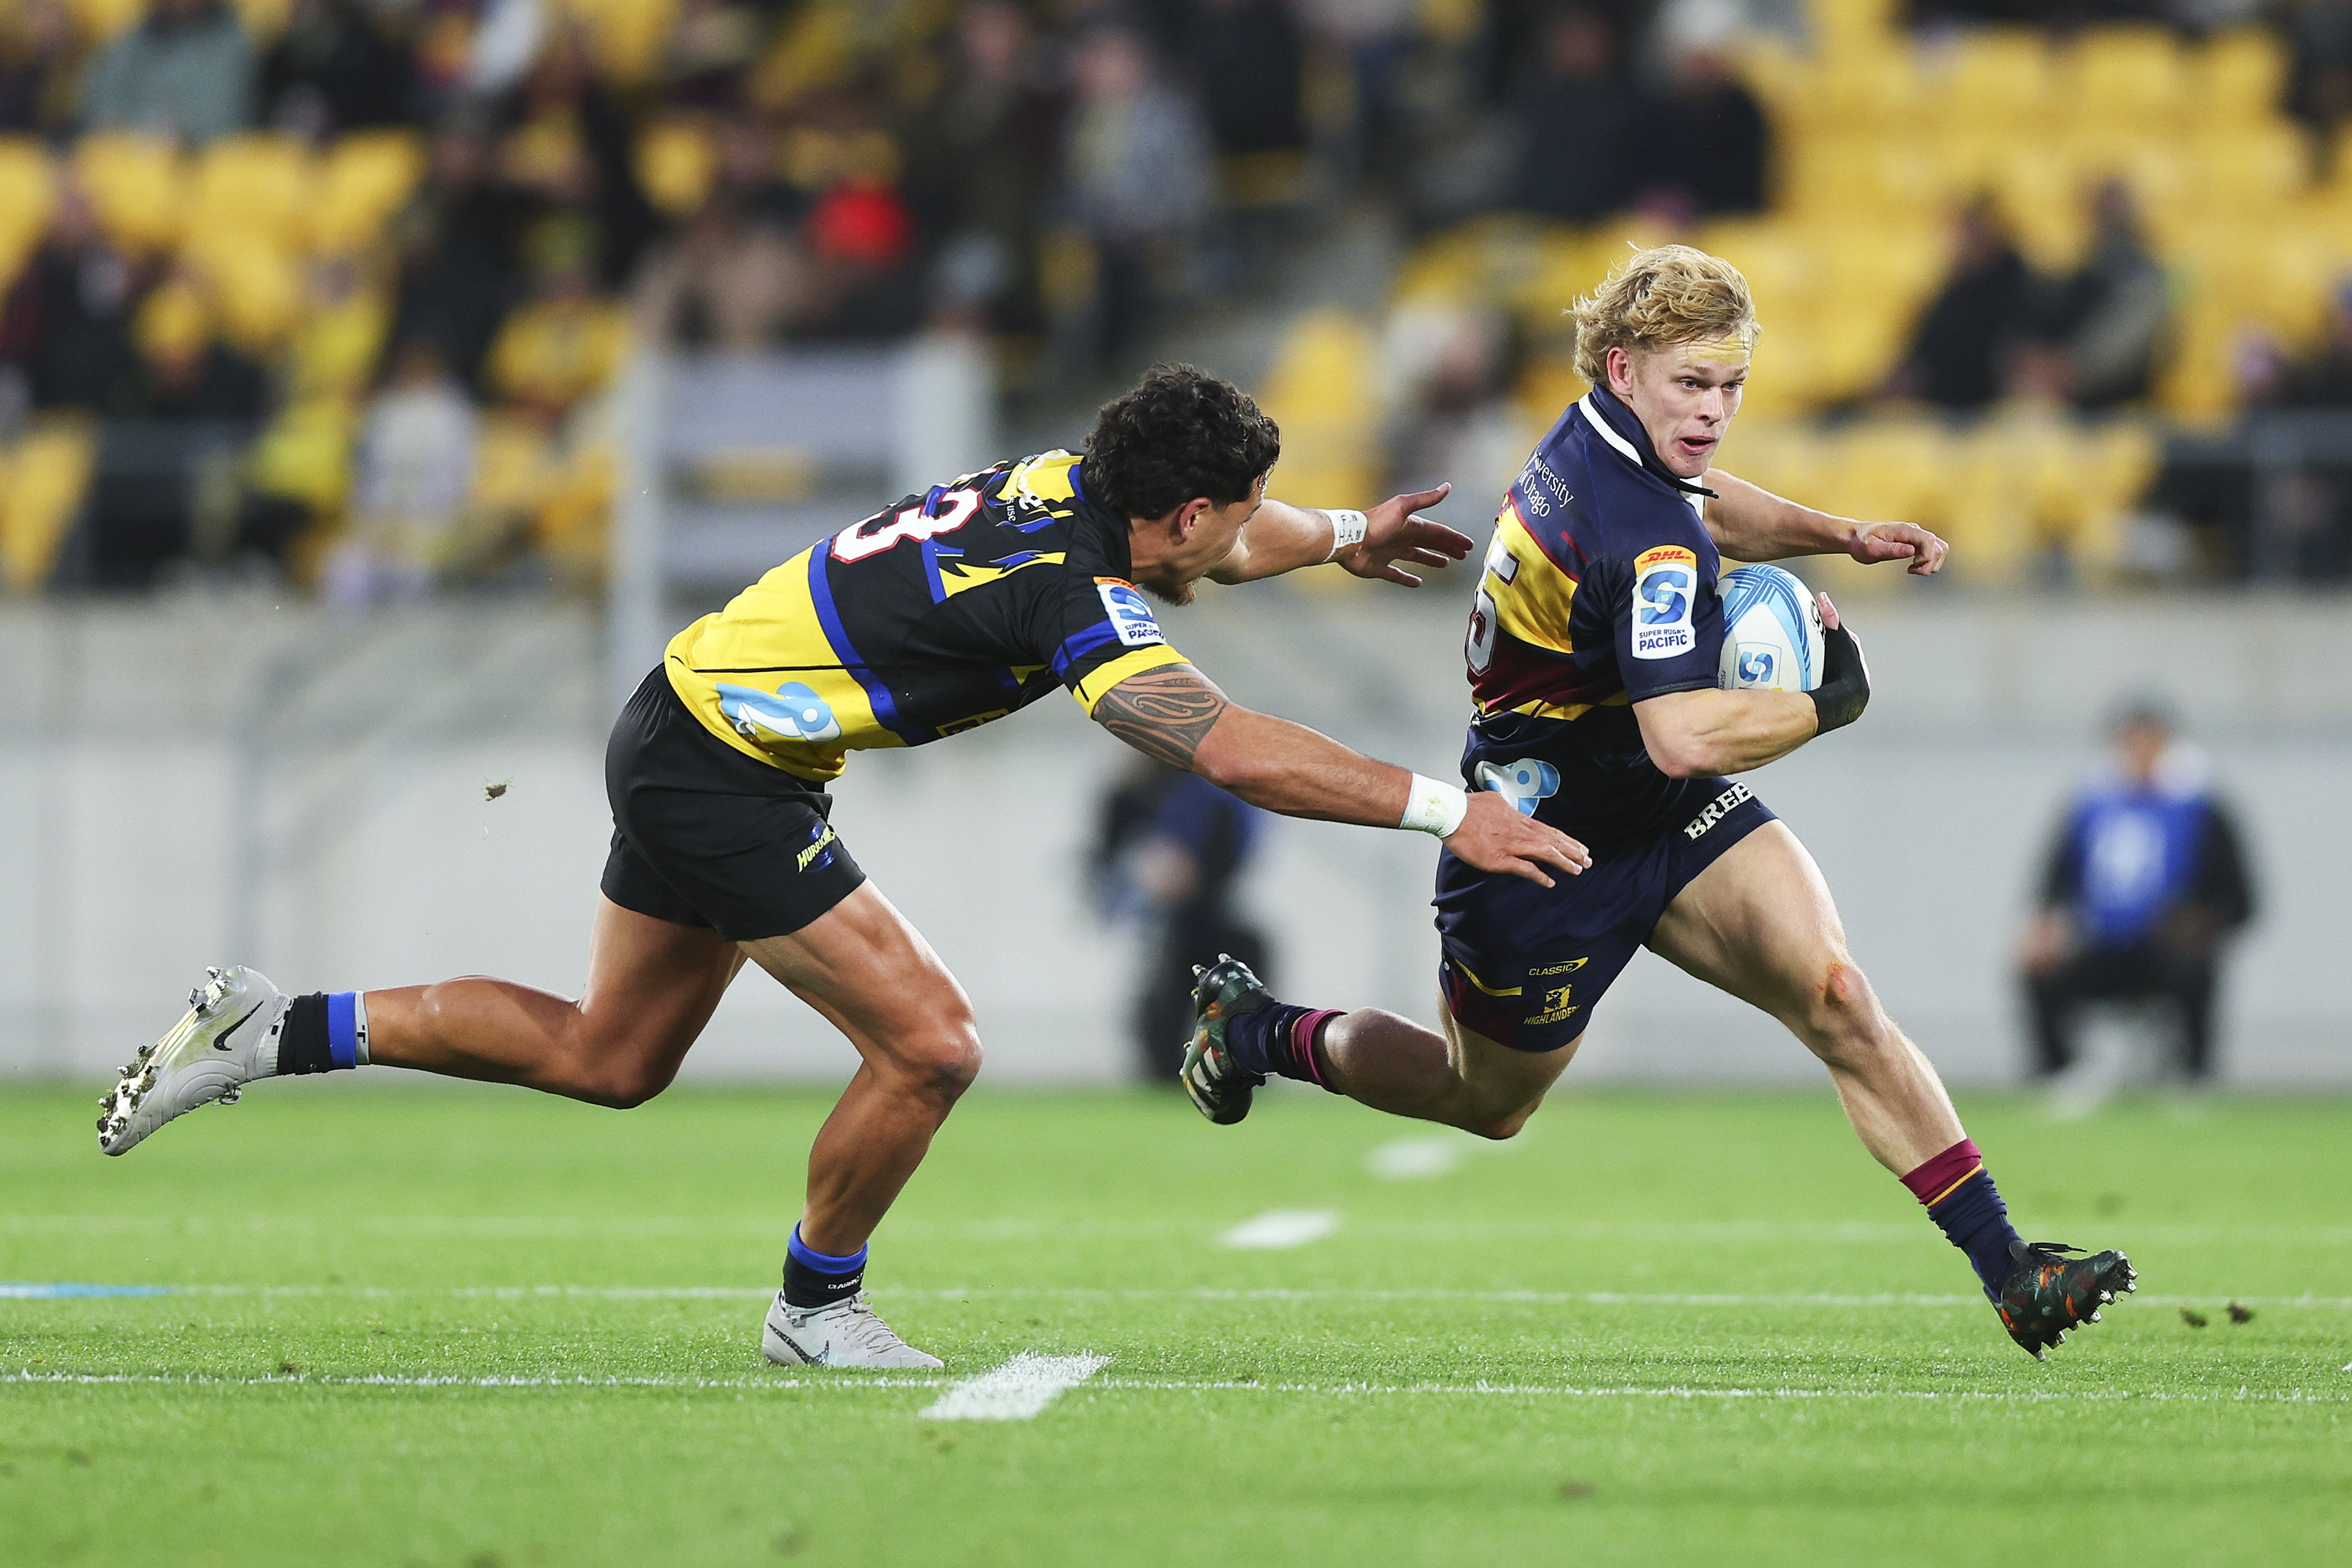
(1094, 1293)
(1415, 1159)
(867, 1382)
(1016, 1391)
(1279, 1228)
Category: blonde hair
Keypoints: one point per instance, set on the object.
(1660, 299)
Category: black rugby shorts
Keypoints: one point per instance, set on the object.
(1524, 966)
(704, 835)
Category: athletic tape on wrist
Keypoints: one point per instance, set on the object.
(1434, 807)
(1348, 530)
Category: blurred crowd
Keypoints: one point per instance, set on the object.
(342, 287)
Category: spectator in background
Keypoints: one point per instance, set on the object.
(1451, 419)
(711, 46)
(1964, 337)
(574, 146)
(40, 67)
(186, 70)
(2110, 313)
(1246, 61)
(734, 277)
(460, 240)
(980, 164)
(188, 373)
(1136, 165)
(568, 342)
(1704, 143)
(334, 68)
(415, 462)
(1171, 846)
(68, 317)
(1572, 122)
(2323, 379)
(2145, 882)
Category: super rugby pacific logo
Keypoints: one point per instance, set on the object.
(1665, 587)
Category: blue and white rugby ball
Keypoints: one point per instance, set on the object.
(1771, 632)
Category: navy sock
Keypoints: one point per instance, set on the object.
(1963, 1202)
(813, 1278)
(323, 1032)
(1260, 1041)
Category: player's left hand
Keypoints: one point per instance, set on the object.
(1875, 541)
(1391, 533)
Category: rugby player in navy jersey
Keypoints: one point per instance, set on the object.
(1593, 650)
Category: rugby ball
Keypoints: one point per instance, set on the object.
(1771, 632)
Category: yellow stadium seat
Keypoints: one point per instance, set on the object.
(255, 285)
(1321, 390)
(2000, 78)
(27, 196)
(306, 453)
(251, 188)
(2240, 77)
(628, 36)
(514, 468)
(1546, 388)
(362, 181)
(2132, 76)
(264, 19)
(102, 19)
(136, 185)
(42, 480)
(677, 161)
(2250, 167)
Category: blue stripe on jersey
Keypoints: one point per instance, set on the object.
(933, 551)
(878, 691)
(1080, 644)
(1078, 485)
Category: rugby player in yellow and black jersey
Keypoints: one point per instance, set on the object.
(949, 610)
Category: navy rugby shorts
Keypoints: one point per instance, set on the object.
(1524, 966)
(704, 835)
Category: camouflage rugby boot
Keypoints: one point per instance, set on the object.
(1220, 1087)
(2050, 1293)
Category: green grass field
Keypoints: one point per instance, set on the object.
(479, 1327)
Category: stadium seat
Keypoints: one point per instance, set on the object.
(2240, 77)
(2124, 77)
(677, 161)
(102, 20)
(43, 478)
(249, 188)
(136, 185)
(2000, 77)
(1321, 391)
(27, 196)
(362, 181)
(628, 36)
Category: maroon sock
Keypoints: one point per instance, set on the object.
(1303, 1031)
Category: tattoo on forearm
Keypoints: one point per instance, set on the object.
(1163, 713)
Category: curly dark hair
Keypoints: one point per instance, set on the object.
(1181, 432)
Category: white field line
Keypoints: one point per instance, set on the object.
(1094, 1293)
(1017, 1391)
(1280, 1229)
(1415, 1159)
(865, 1383)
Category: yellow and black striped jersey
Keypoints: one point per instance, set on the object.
(934, 616)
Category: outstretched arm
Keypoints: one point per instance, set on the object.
(1750, 523)
(1280, 537)
(1175, 716)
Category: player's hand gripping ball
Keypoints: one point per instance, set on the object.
(1771, 632)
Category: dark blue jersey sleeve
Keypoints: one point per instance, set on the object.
(1669, 620)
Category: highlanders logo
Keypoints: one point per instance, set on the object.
(792, 710)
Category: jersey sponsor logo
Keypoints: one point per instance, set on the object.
(1566, 967)
(1665, 588)
(1541, 487)
(794, 711)
(1524, 783)
(1555, 1007)
(974, 722)
(819, 853)
(1716, 810)
(1130, 617)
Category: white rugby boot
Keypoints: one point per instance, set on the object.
(839, 1333)
(228, 1039)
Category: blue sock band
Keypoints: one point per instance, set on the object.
(342, 1028)
(822, 1263)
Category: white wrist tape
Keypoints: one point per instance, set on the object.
(1434, 807)
(1347, 529)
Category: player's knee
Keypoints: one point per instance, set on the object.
(944, 1062)
(1842, 1019)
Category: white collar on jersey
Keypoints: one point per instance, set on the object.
(1608, 432)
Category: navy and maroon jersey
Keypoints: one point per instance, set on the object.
(931, 617)
(1599, 591)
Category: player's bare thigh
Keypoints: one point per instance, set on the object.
(1504, 1085)
(866, 967)
(1761, 924)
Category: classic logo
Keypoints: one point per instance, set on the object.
(794, 709)
(1568, 967)
(1717, 809)
(1524, 783)
(1129, 616)
(1665, 586)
